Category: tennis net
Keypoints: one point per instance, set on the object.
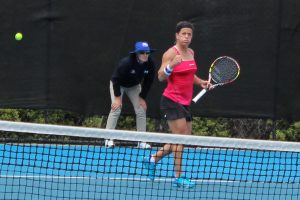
(39, 161)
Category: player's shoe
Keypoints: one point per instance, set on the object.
(183, 182)
(150, 166)
(144, 145)
(109, 143)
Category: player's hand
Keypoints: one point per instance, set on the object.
(117, 103)
(176, 61)
(143, 103)
(205, 84)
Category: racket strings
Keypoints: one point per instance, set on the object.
(224, 70)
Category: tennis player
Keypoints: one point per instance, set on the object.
(178, 68)
(133, 76)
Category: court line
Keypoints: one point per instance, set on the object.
(105, 178)
(136, 179)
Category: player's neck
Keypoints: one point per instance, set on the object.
(182, 48)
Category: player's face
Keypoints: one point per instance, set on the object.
(184, 36)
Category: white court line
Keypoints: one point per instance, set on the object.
(105, 178)
(163, 180)
(125, 179)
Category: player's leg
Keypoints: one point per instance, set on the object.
(150, 162)
(180, 179)
(178, 126)
(162, 152)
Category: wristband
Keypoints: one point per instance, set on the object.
(168, 70)
(167, 73)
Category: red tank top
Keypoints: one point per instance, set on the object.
(181, 81)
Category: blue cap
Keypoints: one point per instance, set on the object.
(142, 46)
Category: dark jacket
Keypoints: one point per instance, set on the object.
(129, 72)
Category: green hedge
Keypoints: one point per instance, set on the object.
(217, 127)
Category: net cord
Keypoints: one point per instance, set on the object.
(205, 141)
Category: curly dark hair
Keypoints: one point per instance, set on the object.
(184, 24)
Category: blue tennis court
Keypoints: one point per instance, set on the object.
(31, 171)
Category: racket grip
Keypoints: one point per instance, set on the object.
(199, 95)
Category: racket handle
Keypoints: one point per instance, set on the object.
(199, 95)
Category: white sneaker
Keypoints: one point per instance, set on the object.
(109, 143)
(144, 145)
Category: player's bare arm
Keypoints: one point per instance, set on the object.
(170, 60)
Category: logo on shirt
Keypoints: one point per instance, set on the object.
(132, 71)
(146, 72)
(191, 64)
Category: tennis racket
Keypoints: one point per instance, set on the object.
(222, 71)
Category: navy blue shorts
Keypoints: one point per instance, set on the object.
(171, 110)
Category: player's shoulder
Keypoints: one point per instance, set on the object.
(191, 51)
(170, 53)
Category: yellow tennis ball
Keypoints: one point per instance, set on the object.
(19, 36)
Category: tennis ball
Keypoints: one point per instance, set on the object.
(19, 36)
